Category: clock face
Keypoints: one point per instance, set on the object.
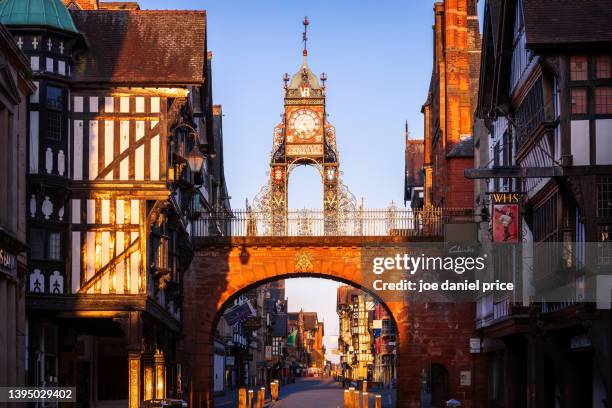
(304, 123)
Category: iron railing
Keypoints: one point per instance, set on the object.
(427, 222)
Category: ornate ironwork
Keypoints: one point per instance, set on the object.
(353, 220)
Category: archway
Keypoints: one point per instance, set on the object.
(224, 267)
(254, 367)
(305, 188)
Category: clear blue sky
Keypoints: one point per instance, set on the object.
(377, 55)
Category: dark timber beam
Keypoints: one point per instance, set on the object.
(513, 172)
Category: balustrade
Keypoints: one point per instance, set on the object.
(428, 222)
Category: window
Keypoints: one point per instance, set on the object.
(55, 108)
(45, 244)
(54, 125)
(579, 101)
(579, 68)
(604, 254)
(55, 246)
(55, 98)
(604, 196)
(603, 100)
(604, 66)
(545, 221)
(37, 244)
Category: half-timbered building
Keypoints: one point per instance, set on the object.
(545, 101)
(124, 150)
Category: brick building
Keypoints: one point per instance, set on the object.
(450, 104)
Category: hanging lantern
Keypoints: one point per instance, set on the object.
(195, 159)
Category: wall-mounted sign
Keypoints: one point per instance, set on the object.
(474, 345)
(304, 150)
(505, 217)
(7, 261)
(465, 378)
(578, 342)
(229, 360)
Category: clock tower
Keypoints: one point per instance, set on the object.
(304, 137)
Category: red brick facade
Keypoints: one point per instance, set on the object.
(428, 333)
(450, 104)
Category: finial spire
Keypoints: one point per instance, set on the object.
(305, 38)
(407, 132)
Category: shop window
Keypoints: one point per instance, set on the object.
(604, 66)
(604, 233)
(579, 68)
(579, 101)
(603, 100)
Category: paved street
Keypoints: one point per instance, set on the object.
(308, 393)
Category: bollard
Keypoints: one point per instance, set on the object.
(366, 403)
(242, 401)
(351, 397)
(274, 391)
(347, 401)
(261, 394)
(378, 402)
(250, 403)
(364, 386)
(356, 398)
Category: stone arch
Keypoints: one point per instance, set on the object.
(224, 268)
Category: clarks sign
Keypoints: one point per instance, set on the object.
(7, 260)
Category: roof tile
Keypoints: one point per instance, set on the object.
(142, 46)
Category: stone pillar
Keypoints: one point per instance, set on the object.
(11, 339)
(21, 324)
(134, 378)
(160, 375)
(3, 329)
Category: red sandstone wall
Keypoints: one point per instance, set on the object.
(428, 333)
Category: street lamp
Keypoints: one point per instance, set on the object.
(195, 159)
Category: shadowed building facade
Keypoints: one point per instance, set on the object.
(544, 134)
(15, 89)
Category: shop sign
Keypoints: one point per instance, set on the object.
(578, 342)
(474, 345)
(7, 261)
(230, 360)
(505, 217)
(465, 378)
